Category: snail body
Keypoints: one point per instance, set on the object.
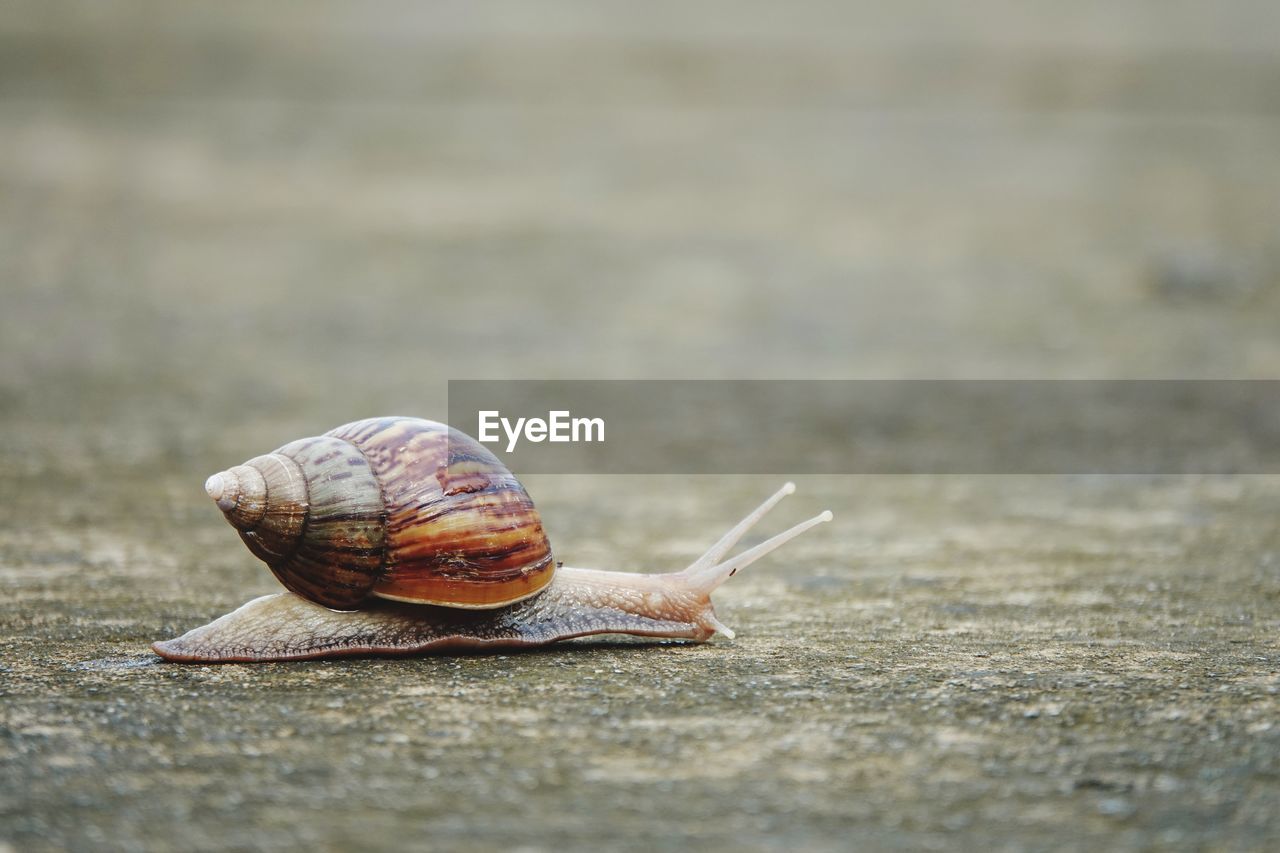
(402, 536)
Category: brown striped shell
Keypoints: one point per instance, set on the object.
(398, 508)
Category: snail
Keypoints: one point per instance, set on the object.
(397, 536)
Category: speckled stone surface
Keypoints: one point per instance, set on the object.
(223, 229)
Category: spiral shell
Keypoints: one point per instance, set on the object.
(399, 508)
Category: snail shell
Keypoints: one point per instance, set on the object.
(397, 508)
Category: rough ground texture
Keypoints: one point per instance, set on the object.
(225, 227)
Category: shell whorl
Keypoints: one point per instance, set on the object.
(241, 494)
(399, 508)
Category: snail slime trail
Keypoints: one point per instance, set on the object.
(559, 426)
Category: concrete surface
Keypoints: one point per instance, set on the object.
(222, 228)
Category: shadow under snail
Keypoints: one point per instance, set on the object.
(399, 536)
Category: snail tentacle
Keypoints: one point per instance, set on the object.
(716, 552)
(707, 578)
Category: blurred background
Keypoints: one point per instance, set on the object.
(225, 226)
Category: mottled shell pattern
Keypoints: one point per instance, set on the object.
(399, 508)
